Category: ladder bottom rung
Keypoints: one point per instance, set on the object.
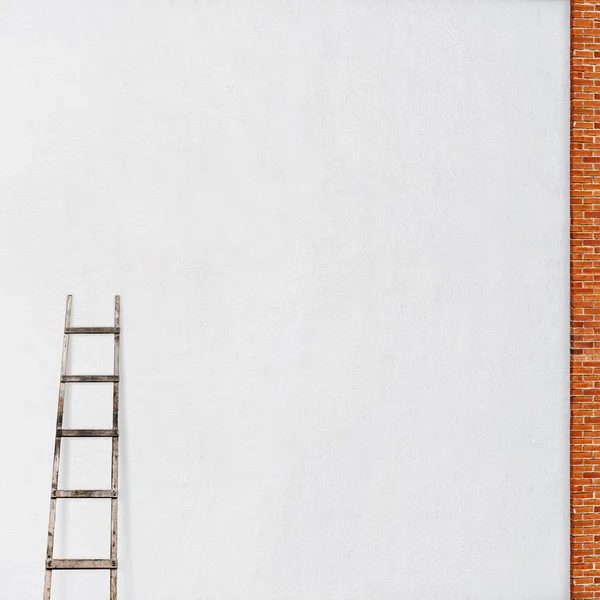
(87, 433)
(70, 330)
(84, 494)
(74, 563)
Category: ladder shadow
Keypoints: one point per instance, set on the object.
(125, 554)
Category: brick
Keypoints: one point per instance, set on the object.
(585, 299)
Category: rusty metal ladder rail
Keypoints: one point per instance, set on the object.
(111, 564)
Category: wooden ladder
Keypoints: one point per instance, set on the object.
(53, 564)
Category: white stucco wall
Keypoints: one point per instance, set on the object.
(339, 230)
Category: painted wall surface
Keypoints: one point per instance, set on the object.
(340, 234)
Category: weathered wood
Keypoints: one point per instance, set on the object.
(89, 330)
(90, 378)
(114, 506)
(56, 461)
(78, 563)
(87, 433)
(84, 494)
(111, 564)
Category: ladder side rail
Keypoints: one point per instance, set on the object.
(114, 518)
(57, 446)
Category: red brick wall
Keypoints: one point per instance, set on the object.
(585, 299)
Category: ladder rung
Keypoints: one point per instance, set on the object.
(84, 493)
(72, 330)
(75, 563)
(87, 433)
(89, 378)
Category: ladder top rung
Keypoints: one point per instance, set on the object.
(87, 433)
(76, 563)
(89, 378)
(84, 493)
(92, 330)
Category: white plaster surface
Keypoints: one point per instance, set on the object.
(339, 230)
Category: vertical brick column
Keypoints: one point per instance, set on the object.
(585, 299)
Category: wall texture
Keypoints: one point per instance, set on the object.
(339, 230)
(585, 297)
